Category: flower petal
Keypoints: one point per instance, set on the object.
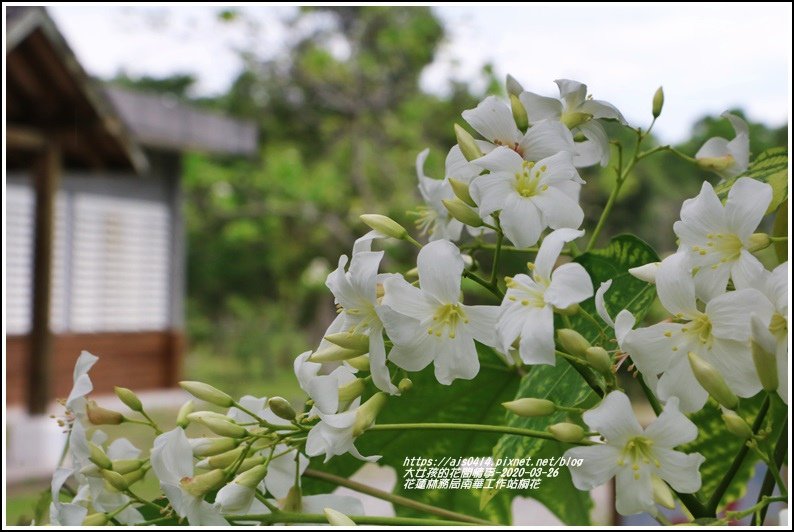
(675, 286)
(711, 282)
(572, 92)
(406, 299)
(570, 283)
(457, 167)
(747, 202)
(633, 495)
(482, 323)
(601, 109)
(440, 268)
(544, 139)
(599, 464)
(521, 221)
(172, 456)
(734, 361)
(414, 357)
(559, 210)
(600, 305)
(490, 192)
(540, 107)
(493, 119)
(537, 338)
(671, 428)
(500, 159)
(455, 358)
(679, 381)
(681, 471)
(614, 419)
(730, 313)
(700, 216)
(550, 250)
(594, 150)
(377, 364)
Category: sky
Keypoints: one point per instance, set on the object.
(708, 57)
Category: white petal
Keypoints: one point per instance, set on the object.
(744, 269)
(679, 381)
(675, 285)
(730, 313)
(601, 109)
(550, 250)
(482, 323)
(782, 359)
(84, 363)
(364, 243)
(559, 168)
(572, 92)
(540, 107)
(363, 271)
(594, 150)
(172, 456)
(711, 282)
(440, 268)
(234, 498)
(490, 192)
(702, 214)
(457, 167)
(559, 210)
(544, 139)
(281, 472)
(401, 329)
(406, 299)
(122, 449)
(681, 471)
(521, 221)
(455, 358)
(777, 288)
(614, 419)
(537, 338)
(570, 283)
(734, 361)
(416, 356)
(671, 428)
(713, 148)
(511, 320)
(421, 157)
(747, 202)
(315, 504)
(324, 391)
(632, 495)
(377, 364)
(493, 119)
(599, 464)
(500, 159)
(600, 305)
(624, 322)
(202, 513)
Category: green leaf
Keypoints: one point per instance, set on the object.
(563, 384)
(771, 167)
(475, 401)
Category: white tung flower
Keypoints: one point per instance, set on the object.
(431, 324)
(322, 389)
(718, 239)
(623, 322)
(172, 463)
(76, 402)
(529, 195)
(638, 458)
(527, 310)
(580, 113)
(719, 334)
(727, 158)
(333, 436)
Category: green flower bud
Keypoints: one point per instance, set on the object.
(661, 492)
(252, 477)
(567, 432)
(736, 425)
(337, 518)
(658, 102)
(468, 146)
(716, 164)
(360, 363)
(405, 385)
(213, 446)
(351, 390)
(200, 485)
(573, 342)
(513, 87)
(182, 417)
(366, 413)
(599, 360)
(281, 408)
(571, 120)
(115, 479)
(530, 407)
(519, 112)
(292, 502)
(765, 366)
(385, 225)
(222, 460)
(712, 381)
(129, 398)
(96, 519)
(462, 212)
(461, 190)
(208, 393)
(758, 241)
(134, 476)
(126, 466)
(98, 415)
(334, 353)
(251, 462)
(570, 310)
(222, 427)
(199, 416)
(354, 342)
(98, 456)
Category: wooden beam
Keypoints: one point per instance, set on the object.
(24, 138)
(46, 177)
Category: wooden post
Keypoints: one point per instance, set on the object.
(46, 175)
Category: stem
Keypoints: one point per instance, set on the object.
(769, 482)
(760, 505)
(723, 486)
(154, 426)
(270, 506)
(154, 521)
(498, 253)
(592, 320)
(485, 284)
(394, 499)
(143, 501)
(287, 517)
(778, 239)
(477, 428)
(584, 370)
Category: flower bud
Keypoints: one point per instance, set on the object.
(462, 212)
(251, 462)
(200, 485)
(208, 393)
(96, 519)
(661, 492)
(212, 446)
(222, 460)
(134, 476)
(468, 146)
(221, 427)
(129, 398)
(765, 366)
(658, 102)
(461, 190)
(98, 456)
(281, 407)
(519, 112)
(360, 363)
(115, 479)
(713, 382)
(334, 353)
(571, 120)
(337, 518)
(405, 385)
(570, 310)
(98, 415)
(252, 477)
(736, 425)
(716, 164)
(292, 502)
(573, 342)
(384, 225)
(599, 360)
(513, 87)
(351, 390)
(355, 342)
(758, 241)
(567, 432)
(184, 411)
(366, 413)
(126, 466)
(199, 416)
(646, 272)
(530, 407)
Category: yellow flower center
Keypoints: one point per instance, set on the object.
(701, 328)
(446, 320)
(528, 179)
(727, 246)
(779, 325)
(638, 450)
